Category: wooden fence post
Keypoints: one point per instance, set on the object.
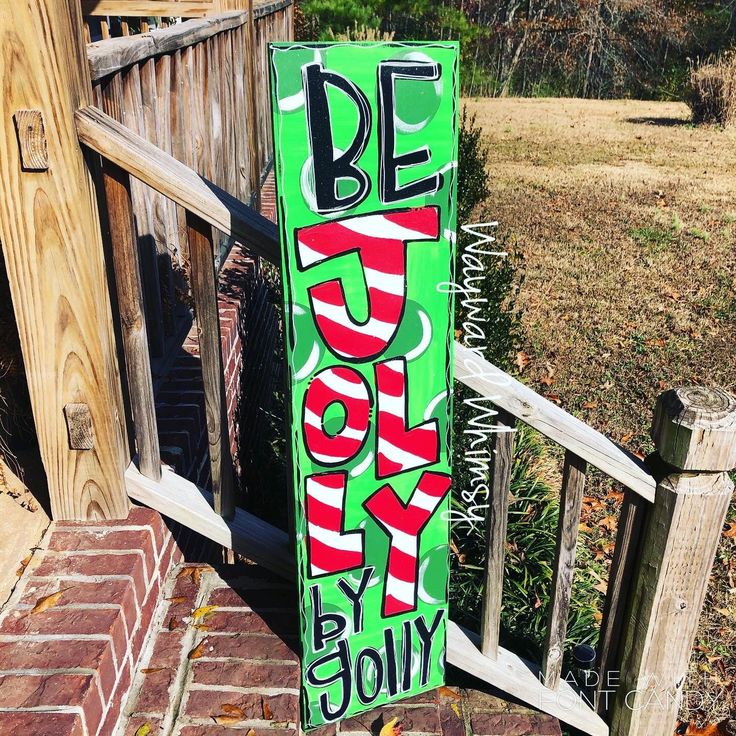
(52, 243)
(694, 431)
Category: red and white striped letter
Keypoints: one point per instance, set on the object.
(344, 385)
(404, 524)
(329, 548)
(380, 242)
(398, 447)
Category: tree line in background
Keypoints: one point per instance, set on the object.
(578, 48)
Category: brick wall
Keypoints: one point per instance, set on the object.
(66, 670)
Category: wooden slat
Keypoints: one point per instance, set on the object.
(264, 104)
(200, 112)
(496, 522)
(165, 129)
(628, 537)
(123, 244)
(177, 181)
(552, 421)
(153, 126)
(240, 116)
(182, 501)
(227, 100)
(521, 679)
(254, 143)
(183, 140)
(50, 233)
(204, 291)
(571, 505)
(210, 84)
(133, 117)
(113, 54)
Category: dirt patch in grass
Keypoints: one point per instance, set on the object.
(625, 215)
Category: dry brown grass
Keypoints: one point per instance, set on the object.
(625, 215)
(713, 91)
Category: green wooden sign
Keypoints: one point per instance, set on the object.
(365, 139)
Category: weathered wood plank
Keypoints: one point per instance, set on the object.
(204, 291)
(166, 127)
(571, 506)
(183, 139)
(123, 245)
(227, 94)
(552, 421)
(251, 92)
(113, 54)
(153, 118)
(50, 232)
(177, 181)
(240, 118)
(620, 578)
(496, 523)
(214, 121)
(133, 118)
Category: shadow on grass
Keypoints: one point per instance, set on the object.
(662, 122)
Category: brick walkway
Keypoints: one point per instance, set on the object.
(222, 663)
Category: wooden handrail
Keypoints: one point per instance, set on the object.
(221, 210)
(177, 181)
(262, 9)
(113, 54)
(173, 8)
(552, 421)
(148, 8)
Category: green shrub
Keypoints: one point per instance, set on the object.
(533, 510)
(472, 177)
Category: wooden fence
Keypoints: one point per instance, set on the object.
(674, 505)
(198, 90)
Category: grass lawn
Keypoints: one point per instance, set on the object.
(624, 216)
